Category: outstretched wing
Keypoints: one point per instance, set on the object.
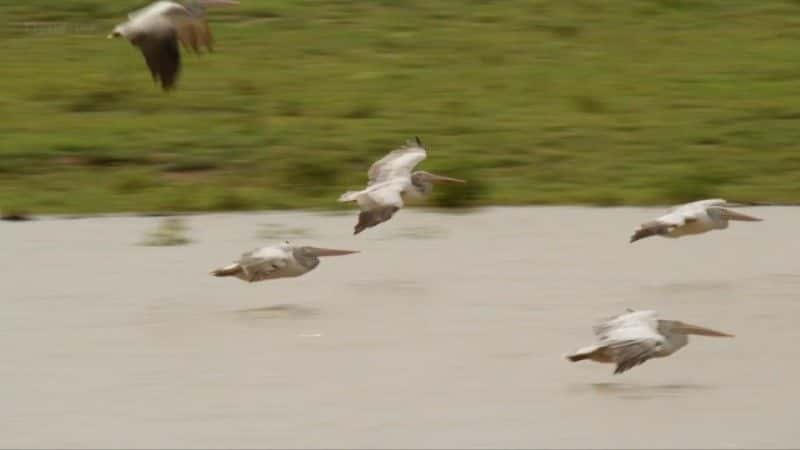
(191, 25)
(630, 324)
(666, 223)
(387, 194)
(379, 195)
(378, 203)
(162, 57)
(188, 22)
(698, 205)
(629, 354)
(373, 217)
(398, 163)
(160, 7)
(194, 33)
(632, 338)
(263, 263)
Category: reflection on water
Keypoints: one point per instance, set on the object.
(638, 391)
(284, 311)
(419, 232)
(784, 277)
(388, 286)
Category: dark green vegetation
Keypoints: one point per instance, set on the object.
(562, 101)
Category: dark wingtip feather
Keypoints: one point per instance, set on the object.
(622, 367)
(641, 234)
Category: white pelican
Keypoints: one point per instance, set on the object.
(636, 336)
(278, 261)
(157, 28)
(692, 218)
(391, 183)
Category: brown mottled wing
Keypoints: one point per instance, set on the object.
(162, 56)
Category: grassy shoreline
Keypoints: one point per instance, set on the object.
(549, 102)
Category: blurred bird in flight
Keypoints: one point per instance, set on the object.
(157, 28)
(278, 261)
(632, 338)
(392, 184)
(692, 218)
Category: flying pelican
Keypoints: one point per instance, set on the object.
(157, 28)
(278, 261)
(636, 336)
(391, 183)
(692, 218)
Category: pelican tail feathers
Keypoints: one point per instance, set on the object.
(349, 196)
(228, 271)
(581, 354)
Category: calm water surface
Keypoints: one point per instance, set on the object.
(449, 330)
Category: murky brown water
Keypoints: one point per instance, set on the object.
(449, 330)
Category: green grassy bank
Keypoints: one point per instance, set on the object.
(562, 101)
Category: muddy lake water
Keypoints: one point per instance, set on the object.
(448, 330)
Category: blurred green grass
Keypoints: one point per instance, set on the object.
(535, 102)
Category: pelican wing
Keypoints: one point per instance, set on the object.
(373, 217)
(194, 33)
(189, 24)
(192, 26)
(666, 223)
(162, 57)
(680, 215)
(627, 325)
(380, 195)
(387, 194)
(629, 354)
(158, 8)
(378, 203)
(632, 338)
(691, 208)
(263, 263)
(398, 163)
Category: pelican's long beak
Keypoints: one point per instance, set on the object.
(686, 328)
(442, 179)
(316, 251)
(733, 215)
